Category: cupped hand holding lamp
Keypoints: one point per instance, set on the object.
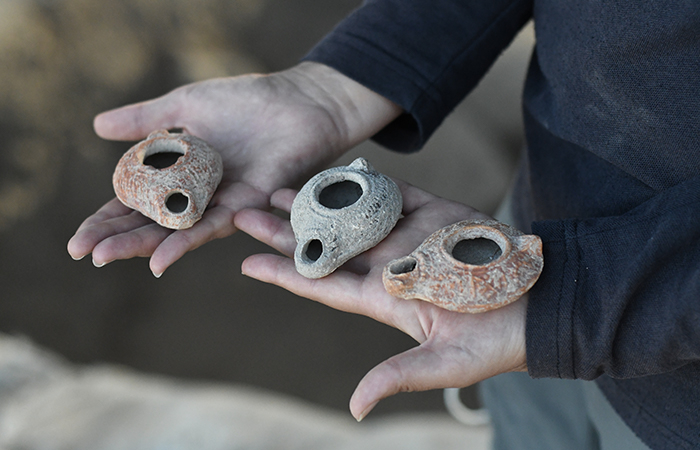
(274, 131)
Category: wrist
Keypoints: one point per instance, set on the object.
(519, 336)
(358, 112)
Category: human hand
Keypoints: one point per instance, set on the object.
(455, 350)
(270, 130)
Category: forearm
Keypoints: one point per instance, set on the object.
(424, 57)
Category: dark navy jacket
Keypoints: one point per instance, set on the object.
(611, 179)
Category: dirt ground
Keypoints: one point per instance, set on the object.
(62, 62)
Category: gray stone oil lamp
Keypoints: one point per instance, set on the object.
(340, 213)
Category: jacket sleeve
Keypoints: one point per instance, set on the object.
(619, 295)
(425, 55)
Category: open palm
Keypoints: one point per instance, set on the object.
(455, 350)
(270, 131)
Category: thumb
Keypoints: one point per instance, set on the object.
(419, 369)
(134, 122)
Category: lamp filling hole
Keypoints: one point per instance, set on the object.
(163, 154)
(340, 195)
(177, 202)
(314, 250)
(405, 265)
(162, 160)
(477, 252)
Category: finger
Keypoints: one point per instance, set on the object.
(341, 290)
(413, 197)
(139, 242)
(268, 229)
(418, 369)
(110, 210)
(134, 122)
(283, 198)
(216, 223)
(89, 236)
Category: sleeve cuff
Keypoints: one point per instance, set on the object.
(551, 302)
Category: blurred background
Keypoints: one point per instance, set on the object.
(64, 61)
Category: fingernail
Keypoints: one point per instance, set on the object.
(98, 265)
(77, 259)
(366, 411)
(157, 275)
